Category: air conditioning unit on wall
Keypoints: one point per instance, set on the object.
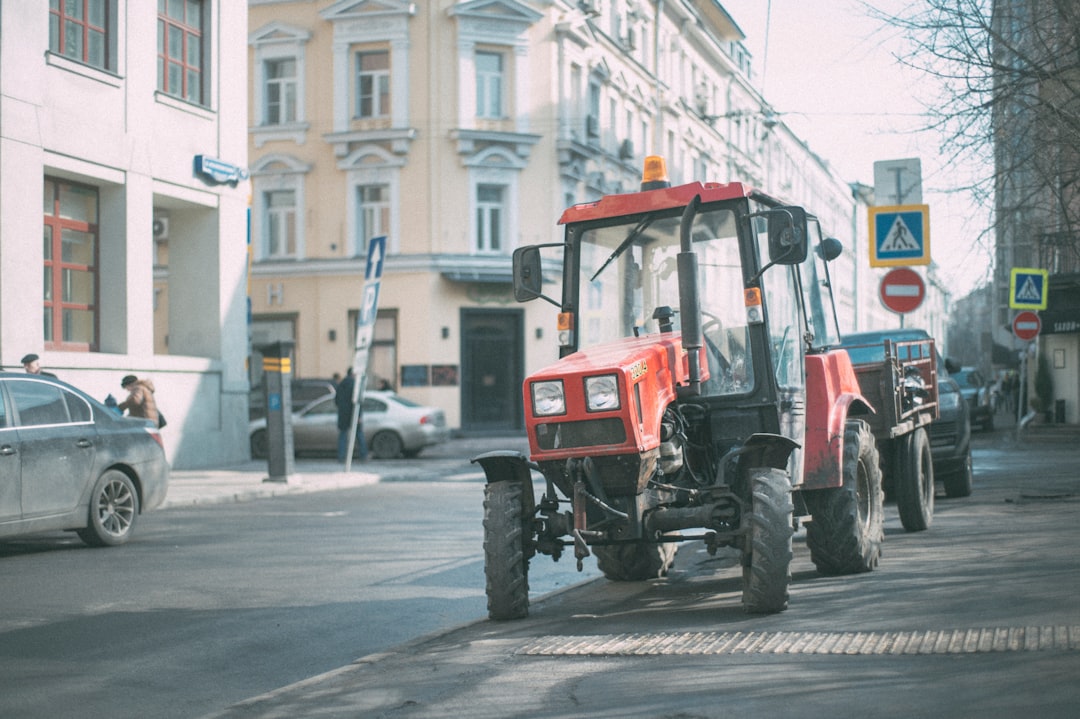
(161, 229)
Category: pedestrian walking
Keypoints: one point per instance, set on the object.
(32, 364)
(344, 400)
(140, 400)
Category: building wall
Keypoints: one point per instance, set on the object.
(181, 324)
(588, 95)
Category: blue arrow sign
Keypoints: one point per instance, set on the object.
(899, 235)
(375, 255)
(1027, 288)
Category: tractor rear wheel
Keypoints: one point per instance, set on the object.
(506, 567)
(847, 528)
(634, 562)
(767, 555)
(914, 472)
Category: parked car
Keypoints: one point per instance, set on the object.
(393, 426)
(68, 462)
(303, 391)
(950, 433)
(977, 391)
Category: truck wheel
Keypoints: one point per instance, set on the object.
(915, 481)
(847, 528)
(634, 562)
(961, 482)
(505, 567)
(767, 554)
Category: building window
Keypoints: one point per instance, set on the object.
(489, 85)
(490, 202)
(372, 84)
(71, 268)
(180, 49)
(281, 86)
(373, 213)
(280, 224)
(79, 29)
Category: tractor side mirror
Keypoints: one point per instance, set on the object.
(829, 249)
(529, 275)
(787, 235)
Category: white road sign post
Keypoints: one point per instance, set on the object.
(365, 331)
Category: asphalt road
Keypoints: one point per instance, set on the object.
(210, 605)
(977, 617)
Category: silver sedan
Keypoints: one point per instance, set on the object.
(393, 426)
(68, 462)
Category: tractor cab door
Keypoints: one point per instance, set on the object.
(785, 336)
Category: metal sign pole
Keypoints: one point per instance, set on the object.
(365, 329)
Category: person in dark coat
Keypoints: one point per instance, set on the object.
(343, 398)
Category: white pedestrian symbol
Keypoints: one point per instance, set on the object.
(899, 238)
(1029, 291)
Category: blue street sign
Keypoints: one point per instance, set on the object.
(375, 256)
(899, 235)
(1027, 288)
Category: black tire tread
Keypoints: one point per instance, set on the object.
(506, 568)
(915, 481)
(841, 541)
(767, 563)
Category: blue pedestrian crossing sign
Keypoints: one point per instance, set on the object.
(1027, 288)
(899, 235)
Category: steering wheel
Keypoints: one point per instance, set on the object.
(714, 326)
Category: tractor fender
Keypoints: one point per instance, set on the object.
(505, 465)
(833, 395)
(764, 449)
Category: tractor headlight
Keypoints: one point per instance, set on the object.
(602, 393)
(548, 398)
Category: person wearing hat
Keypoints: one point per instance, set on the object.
(140, 400)
(32, 364)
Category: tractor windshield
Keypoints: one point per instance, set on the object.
(628, 271)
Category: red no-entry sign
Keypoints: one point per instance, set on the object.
(1026, 325)
(902, 290)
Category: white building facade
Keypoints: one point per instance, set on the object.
(123, 140)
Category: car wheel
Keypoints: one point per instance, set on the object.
(260, 445)
(914, 481)
(386, 445)
(961, 482)
(114, 507)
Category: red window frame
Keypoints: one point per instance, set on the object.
(58, 9)
(165, 59)
(54, 273)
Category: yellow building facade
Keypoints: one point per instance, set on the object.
(461, 130)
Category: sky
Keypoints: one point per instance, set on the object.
(831, 72)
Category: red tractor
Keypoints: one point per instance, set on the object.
(698, 396)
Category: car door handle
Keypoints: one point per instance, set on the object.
(7, 450)
(84, 443)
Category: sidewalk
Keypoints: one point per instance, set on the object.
(249, 480)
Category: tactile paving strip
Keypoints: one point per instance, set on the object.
(947, 641)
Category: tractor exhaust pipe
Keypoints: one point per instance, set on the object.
(689, 302)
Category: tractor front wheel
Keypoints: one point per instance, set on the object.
(767, 555)
(506, 567)
(847, 525)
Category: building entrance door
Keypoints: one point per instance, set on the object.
(491, 370)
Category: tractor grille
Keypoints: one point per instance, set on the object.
(586, 433)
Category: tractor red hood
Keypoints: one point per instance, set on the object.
(648, 369)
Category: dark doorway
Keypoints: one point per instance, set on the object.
(491, 370)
